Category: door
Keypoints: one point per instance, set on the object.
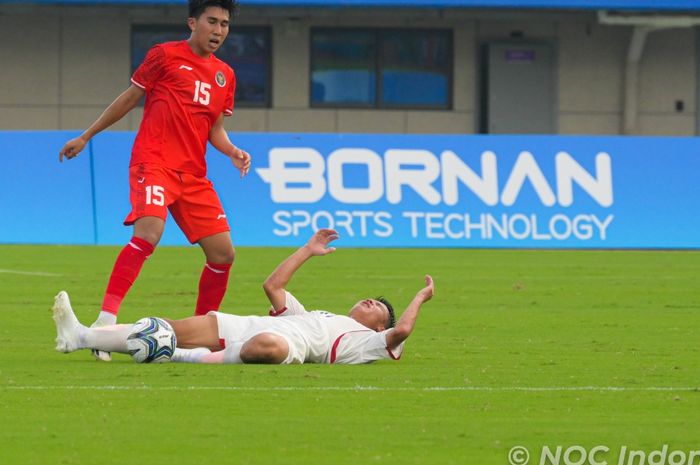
(518, 89)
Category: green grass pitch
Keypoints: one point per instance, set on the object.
(525, 347)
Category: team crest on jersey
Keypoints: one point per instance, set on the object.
(220, 79)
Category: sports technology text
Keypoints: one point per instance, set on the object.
(458, 193)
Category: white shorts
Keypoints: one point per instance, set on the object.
(240, 329)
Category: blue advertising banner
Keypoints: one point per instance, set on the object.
(41, 201)
(381, 190)
(469, 191)
(527, 4)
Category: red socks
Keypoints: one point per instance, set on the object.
(212, 287)
(212, 284)
(125, 271)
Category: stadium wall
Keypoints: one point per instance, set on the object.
(79, 60)
(380, 190)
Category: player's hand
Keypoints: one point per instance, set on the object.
(72, 148)
(428, 291)
(241, 160)
(318, 244)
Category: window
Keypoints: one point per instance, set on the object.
(247, 50)
(401, 68)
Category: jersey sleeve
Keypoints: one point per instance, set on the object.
(291, 307)
(363, 347)
(230, 93)
(152, 68)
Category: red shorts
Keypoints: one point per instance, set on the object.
(191, 200)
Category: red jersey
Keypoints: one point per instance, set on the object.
(185, 94)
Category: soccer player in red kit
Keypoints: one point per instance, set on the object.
(188, 92)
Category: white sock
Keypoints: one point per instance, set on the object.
(232, 353)
(214, 357)
(107, 338)
(190, 355)
(105, 319)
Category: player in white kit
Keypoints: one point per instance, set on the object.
(289, 335)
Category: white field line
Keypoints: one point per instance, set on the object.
(30, 273)
(364, 388)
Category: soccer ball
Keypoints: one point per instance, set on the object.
(152, 340)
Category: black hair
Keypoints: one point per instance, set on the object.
(392, 317)
(197, 7)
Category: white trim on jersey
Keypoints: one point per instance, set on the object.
(138, 84)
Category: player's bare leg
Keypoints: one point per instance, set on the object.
(220, 254)
(218, 248)
(197, 340)
(197, 331)
(150, 229)
(265, 348)
(147, 233)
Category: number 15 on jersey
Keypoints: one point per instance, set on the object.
(201, 92)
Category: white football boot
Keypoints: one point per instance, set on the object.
(67, 325)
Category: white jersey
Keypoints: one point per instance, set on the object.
(313, 337)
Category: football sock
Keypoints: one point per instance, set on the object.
(212, 287)
(107, 338)
(124, 273)
(190, 355)
(214, 357)
(105, 319)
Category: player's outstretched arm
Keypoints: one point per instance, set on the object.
(114, 112)
(407, 322)
(219, 139)
(275, 284)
